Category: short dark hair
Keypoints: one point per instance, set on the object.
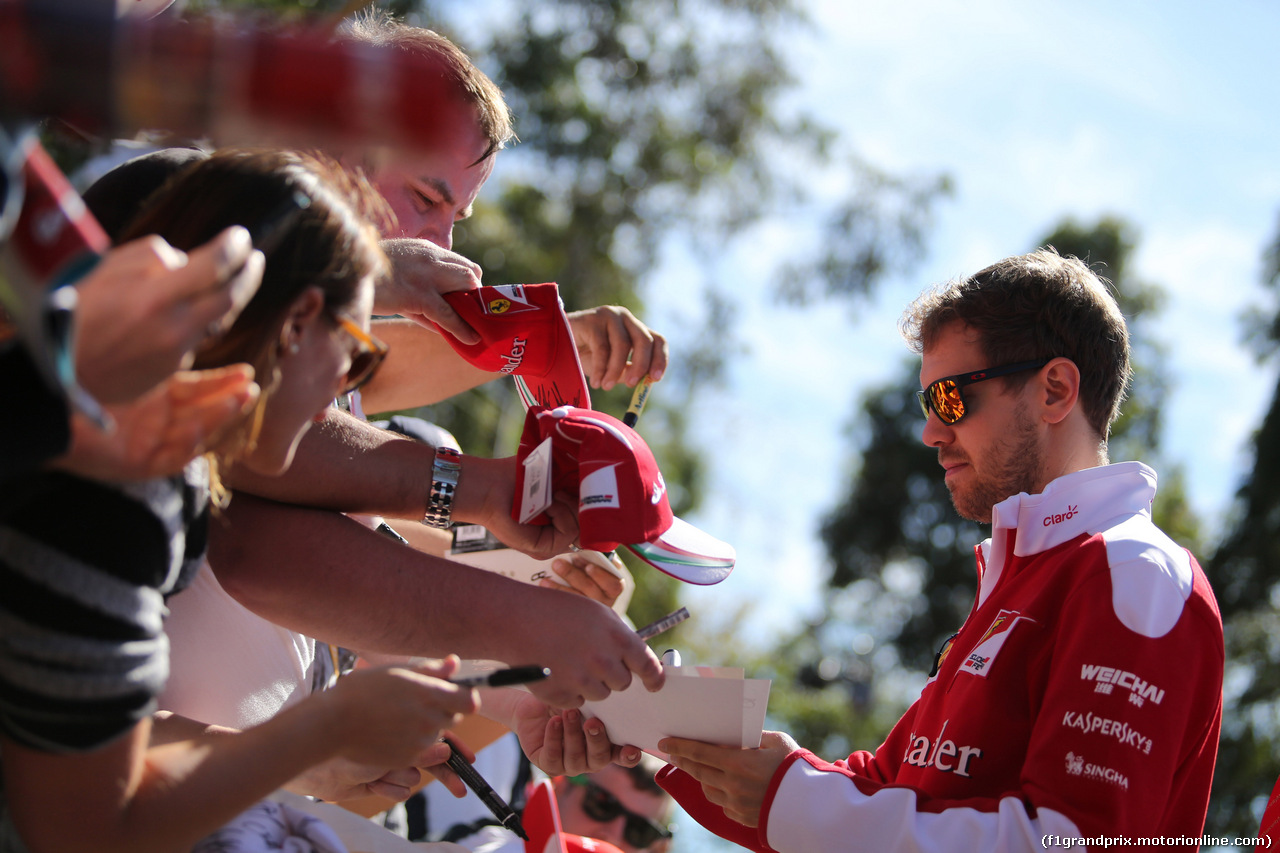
(1034, 306)
(471, 85)
(117, 197)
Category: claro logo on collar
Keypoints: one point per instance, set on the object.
(1051, 520)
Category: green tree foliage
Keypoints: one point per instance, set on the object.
(637, 121)
(1247, 563)
(896, 539)
(902, 576)
(1245, 573)
(644, 122)
(880, 230)
(641, 123)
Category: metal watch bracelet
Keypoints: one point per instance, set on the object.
(444, 482)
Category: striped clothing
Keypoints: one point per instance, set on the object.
(84, 571)
(43, 430)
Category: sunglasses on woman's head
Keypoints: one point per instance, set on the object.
(602, 807)
(367, 352)
(946, 399)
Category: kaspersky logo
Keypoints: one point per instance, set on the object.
(1090, 723)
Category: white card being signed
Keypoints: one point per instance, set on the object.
(712, 704)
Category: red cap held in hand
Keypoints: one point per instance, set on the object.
(622, 499)
(524, 333)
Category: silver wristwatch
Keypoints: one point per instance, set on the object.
(444, 482)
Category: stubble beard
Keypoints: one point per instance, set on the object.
(1013, 465)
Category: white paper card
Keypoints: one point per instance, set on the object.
(537, 482)
(715, 705)
(521, 567)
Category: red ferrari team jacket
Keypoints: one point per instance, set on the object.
(1081, 698)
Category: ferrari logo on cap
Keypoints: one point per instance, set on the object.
(499, 306)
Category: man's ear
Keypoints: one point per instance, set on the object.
(1061, 389)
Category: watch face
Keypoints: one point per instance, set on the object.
(447, 465)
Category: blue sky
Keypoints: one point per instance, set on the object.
(1164, 116)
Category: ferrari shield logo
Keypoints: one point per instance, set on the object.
(983, 656)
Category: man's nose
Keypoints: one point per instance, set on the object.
(612, 831)
(935, 433)
(435, 232)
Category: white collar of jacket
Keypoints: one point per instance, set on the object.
(1087, 501)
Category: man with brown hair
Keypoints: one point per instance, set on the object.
(1082, 697)
(362, 590)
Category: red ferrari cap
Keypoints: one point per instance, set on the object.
(622, 498)
(524, 333)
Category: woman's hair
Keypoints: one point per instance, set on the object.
(313, 214)
(310, 216)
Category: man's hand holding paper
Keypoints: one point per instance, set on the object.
(733, 778)
(712, 704)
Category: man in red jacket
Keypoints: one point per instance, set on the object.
(1082, 696)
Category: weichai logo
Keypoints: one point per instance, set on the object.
(1108, 678)
(1058, 518)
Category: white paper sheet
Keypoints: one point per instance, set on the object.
(712, 704)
